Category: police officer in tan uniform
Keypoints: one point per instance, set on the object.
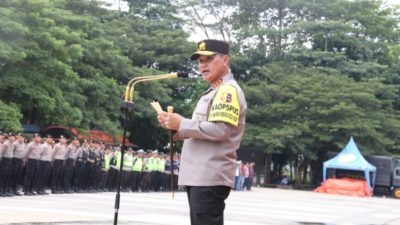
(211, 137)
(60, 155)
(44, 168)
(6, 152)
(17, 162)
(33, 154)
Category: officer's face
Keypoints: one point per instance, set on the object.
(49, 140)
(63, 140)
(212, 68)
(37, 139)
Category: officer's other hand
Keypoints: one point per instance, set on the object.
(170, 121)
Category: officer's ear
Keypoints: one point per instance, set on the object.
(226, 60)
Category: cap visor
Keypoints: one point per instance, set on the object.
(197, 54)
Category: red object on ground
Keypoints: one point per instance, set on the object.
(345, 186)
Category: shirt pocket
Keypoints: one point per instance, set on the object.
(201, 111)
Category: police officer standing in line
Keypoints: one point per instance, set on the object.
(33, 154)
(155, 174)
(145, 183)
(211, 137)
(115, 164)
(6, 152)
(91, 167)
(166, 176)
(72, 150)
(79, 169)
(137, 166)
(43, 174)
(60, 154)
(105, 168)
(161, 171)
(127, 170)
(100, 149)
(17, 161)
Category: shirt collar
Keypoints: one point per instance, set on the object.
(225, 78)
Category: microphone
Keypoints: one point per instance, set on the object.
(182, 74)
(130, 88)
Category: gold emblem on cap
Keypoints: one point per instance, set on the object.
(202, 46)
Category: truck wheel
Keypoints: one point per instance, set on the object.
(396, 192)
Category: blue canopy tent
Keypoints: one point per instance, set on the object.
(350, 158)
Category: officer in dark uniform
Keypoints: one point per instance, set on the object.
(6, 151)
(17, 161)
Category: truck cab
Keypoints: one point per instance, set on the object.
(387, 179)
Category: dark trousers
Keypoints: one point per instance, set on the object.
(79, 178)
(112, 179)
(156, 180)
(98, 177)
(207, 204)
(126, 179)
(16, 172)
(31, 170)
(247, 183)
(136, 176)
(103, 179)
(88, 182)
(57, 175)
(92, 173)
(42, 175)
(145, 182)
(5, 175)
(166, 182)
(68, 174)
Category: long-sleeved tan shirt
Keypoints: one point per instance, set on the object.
(60, 151)
(19, 150)
(47, 152)
(212, 136)
(7, 149)
(33, 151)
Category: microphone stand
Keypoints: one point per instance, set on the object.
(126, 106)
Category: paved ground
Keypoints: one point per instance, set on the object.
(260, 206)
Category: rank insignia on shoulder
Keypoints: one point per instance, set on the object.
(225, 106)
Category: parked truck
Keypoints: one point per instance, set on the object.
(387, 181)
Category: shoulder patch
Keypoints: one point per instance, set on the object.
(225, 106)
